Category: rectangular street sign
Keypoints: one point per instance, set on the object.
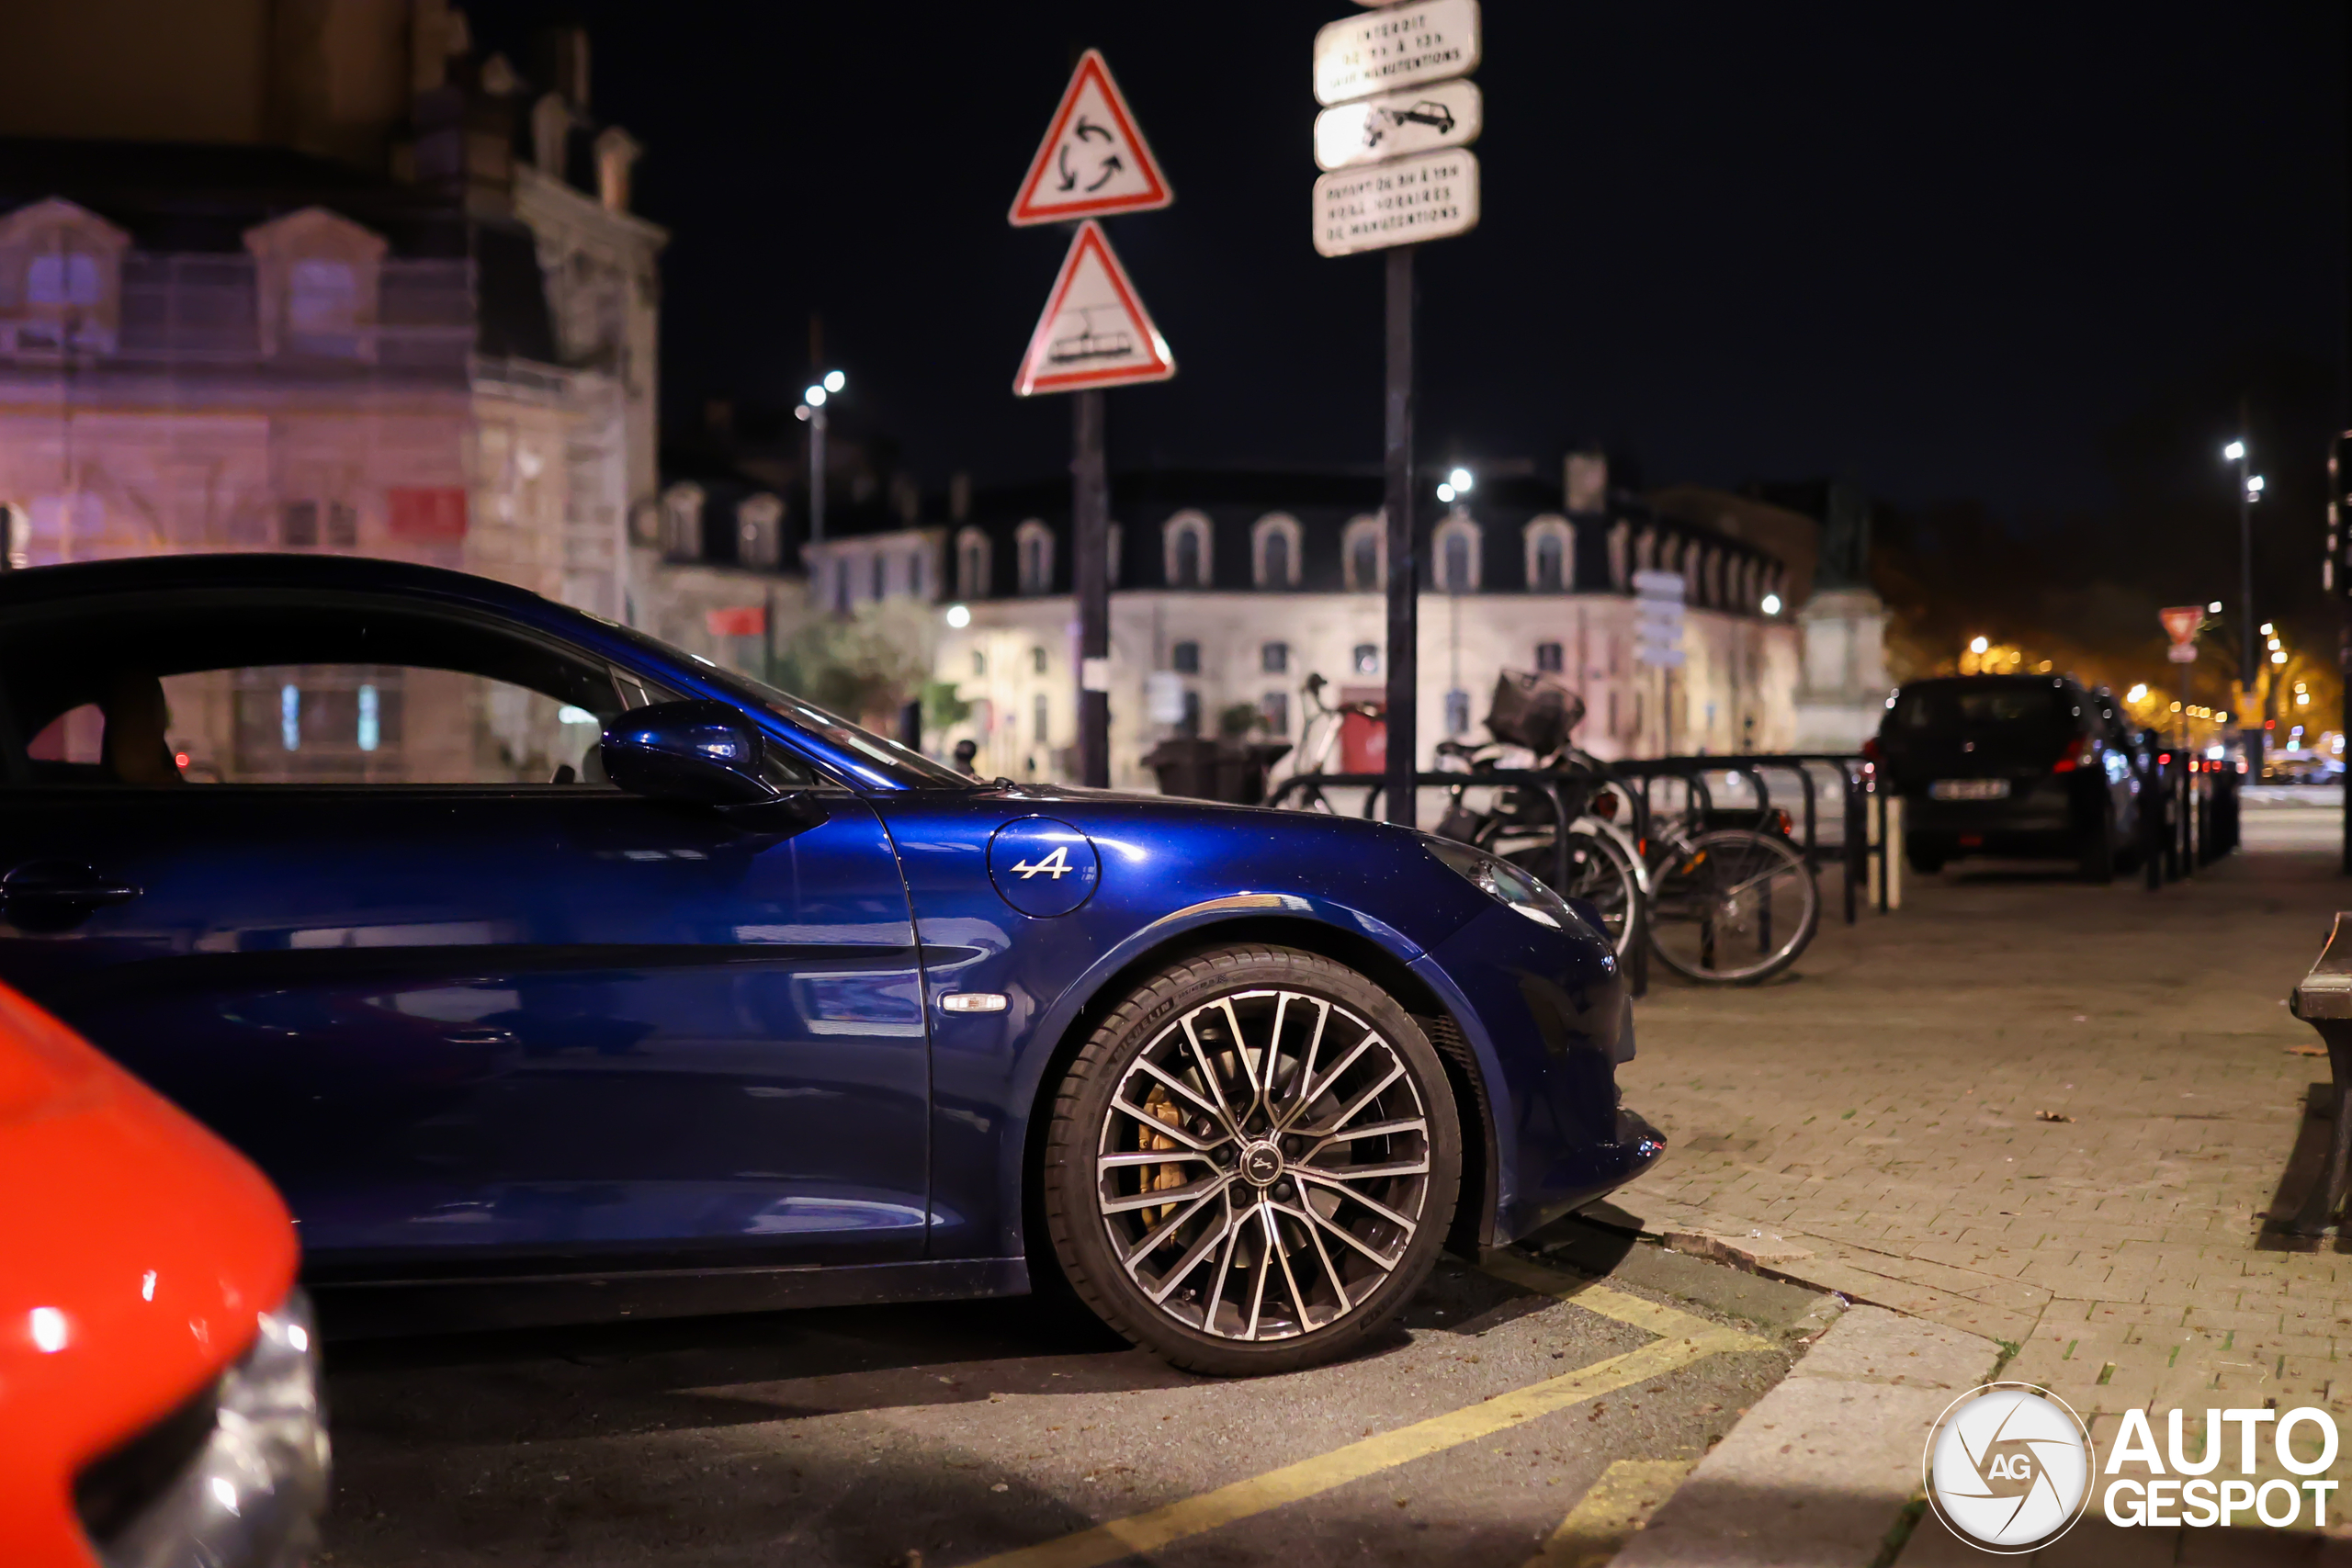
(1397, 46)
(1431, 196)
(2182, 653)
(1658, 619)
(1420, 120)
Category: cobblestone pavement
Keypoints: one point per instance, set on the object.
(2050, 1113)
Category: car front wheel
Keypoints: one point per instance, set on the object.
(1252, 1162)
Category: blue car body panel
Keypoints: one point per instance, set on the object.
(542, 1029)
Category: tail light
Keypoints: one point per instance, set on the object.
(2084, 753)
(1604, 805)
(1781, 820)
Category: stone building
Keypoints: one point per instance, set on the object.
(1229, 589)
(347, 286)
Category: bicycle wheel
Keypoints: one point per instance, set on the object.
(1731, 907)
(1599, 873)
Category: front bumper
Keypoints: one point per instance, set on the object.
(1546, 1016)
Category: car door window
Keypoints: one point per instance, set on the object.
(259, 692)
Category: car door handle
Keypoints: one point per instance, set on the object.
(63, 882)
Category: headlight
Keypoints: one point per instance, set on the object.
(251, 1493)
(1503, 882)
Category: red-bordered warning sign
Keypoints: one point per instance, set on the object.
(1095, 331)
(2181, 621)
(1093, 161)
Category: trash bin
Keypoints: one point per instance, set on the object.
(1241, 770)
(1186, 765)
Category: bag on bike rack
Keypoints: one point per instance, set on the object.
(1533, 711)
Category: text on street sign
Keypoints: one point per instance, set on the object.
(1397, 47)
(1433, 196)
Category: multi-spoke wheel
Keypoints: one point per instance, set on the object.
(1253, 1162)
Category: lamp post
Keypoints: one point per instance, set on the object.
(2249, 665)
(812, 410)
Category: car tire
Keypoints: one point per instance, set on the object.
(1924, 861)
(1270, 1256)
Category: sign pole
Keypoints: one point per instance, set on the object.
(1403, 575)
(1091, 585)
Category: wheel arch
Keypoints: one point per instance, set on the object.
(1471, 1226)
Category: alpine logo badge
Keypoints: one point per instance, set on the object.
(1043, 867)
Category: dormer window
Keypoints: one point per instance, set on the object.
(61, 269)
(1551, 555)
(316, 274)
(1034, 545)
(1457, 555)
(1365, 553)
(1186, 540)
(1276, 538)
(971, 564)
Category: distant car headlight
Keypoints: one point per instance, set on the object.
(1503, 882)
(243, 1488)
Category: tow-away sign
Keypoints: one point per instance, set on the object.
(1093, 161)
(1095, 331)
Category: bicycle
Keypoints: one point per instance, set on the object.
(1312, 763)
(1710, 888)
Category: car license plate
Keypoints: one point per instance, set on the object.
(1969, 789)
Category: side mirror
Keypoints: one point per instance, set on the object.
(704, 752)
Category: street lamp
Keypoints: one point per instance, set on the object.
(812, 410)
(2249, 491)
(1771, 603)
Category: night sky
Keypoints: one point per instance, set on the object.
(1945, 256)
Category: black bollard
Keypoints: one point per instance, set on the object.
(2324, 1001)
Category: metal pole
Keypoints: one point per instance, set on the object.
(817, 475)
(2187, 783)
(2249, 734)
(1091, 586)
(1403, 575)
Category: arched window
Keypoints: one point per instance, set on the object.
(1551, 555)
(1364, 554)
(317, 274)
(1034, 549)
(1457, 555)
(971, 564)
(1185, 541)
(1275, 542)
(682, 521)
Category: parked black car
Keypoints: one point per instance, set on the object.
(2013, 765)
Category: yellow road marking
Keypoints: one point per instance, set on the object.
(1308, 1478)
(1683, 1339)
(1597, 1528)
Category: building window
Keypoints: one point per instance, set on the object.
(971, 564)
(1034, 545)
(979, 661)
(1274, 709)
(1365, 552)
(1185, 658)
(1037, 719)
(1190, 723)
(881, 575)
(1547, 658)
(1275, 547)
(1457, 555)
(1038, 660)
(322, 299)
(1366, 658)
(1457, 712)
(1187, 547)
(682, 521)
(298, 524)
(70, 277)
(1273, 658)
(1550, 552)
(917, 577)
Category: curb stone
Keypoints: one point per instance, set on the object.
(1820, 1469)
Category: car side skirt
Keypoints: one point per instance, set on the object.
(374, 1308)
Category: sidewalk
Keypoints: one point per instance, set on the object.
(2047, 1113)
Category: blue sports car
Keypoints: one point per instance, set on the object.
(555, 973)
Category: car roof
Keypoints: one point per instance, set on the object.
(253, 569)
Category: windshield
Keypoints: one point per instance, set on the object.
(900, 765)
(2039, 705)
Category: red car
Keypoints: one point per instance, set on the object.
(159, 1387)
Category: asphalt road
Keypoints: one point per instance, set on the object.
(947, 1435)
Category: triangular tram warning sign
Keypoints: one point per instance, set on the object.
(1093, 161)
(1094, 332)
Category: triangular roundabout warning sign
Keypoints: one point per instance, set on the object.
(1093, 161)
(1094, 332)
